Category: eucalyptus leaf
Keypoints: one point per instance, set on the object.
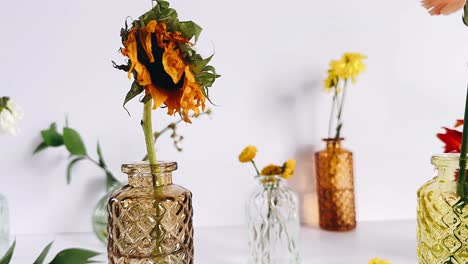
(190, 29)
(73, 142)
(41, 147)
(70, 167)
(135, 90)
(8, 255)
(74, 256)
(43, 255)
(102, 163)
(51, 136)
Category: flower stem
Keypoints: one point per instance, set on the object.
(332, 113)
(255, 167)
(340, 111)
(147, 125)
(461, 186)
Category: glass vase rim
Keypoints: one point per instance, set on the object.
(333, 139)
(145, 167)
(447, 159)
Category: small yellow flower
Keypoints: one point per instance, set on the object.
(331, 82)
(271, 170)
(349, 66)
(288, 169)
(378, 261)
(248, 154)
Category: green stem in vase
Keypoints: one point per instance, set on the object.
(255, 167)
(340, 111)
(461, 186)
(147, 125)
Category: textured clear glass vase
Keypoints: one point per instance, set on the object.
(150, 219)
(335, 186)
(442, 218)
(100, 215)
(4, 225)
(272, 212)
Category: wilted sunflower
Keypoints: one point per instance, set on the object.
(163, 63)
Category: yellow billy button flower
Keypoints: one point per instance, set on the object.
(248, 154)
(288, 169)
(378, 261)
(271, 170)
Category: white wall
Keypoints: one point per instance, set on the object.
(55, 60)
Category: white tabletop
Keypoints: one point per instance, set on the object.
(392, 240)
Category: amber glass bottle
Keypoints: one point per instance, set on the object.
(335, 186)
(150, 221)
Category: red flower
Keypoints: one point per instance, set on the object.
(452, 138)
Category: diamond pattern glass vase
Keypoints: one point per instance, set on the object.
(273, 223)
(442, 218)
(150, 221)
(335, 186)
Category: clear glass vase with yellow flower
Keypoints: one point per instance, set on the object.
(150, 219)
(272, 212)
(334, 164)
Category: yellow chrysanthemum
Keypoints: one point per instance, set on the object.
(288, 169)
(349, 67)
(248, 154)
(271, 170)
(378, 261)
(331, 82)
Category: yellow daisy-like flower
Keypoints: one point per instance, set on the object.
(331, 82)
(248, 154)
(288, 169)
(349, 67)
(378, 261)
(271, 170)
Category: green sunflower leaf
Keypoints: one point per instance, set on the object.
(74, 256)
(51, 137)
(198, 66)
(70, 168)
(465, 14)
(135, 90)
(190, 29)
(8, 255)
(73, 142)
(43, 255)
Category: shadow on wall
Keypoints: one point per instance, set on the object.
(301, 114)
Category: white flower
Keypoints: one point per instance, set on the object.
(10, 117)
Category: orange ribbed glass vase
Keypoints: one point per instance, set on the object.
(335, 186)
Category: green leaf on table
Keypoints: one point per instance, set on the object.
(43, 255)
(41, 147)
(102, 163)
(8, 255)
(74, 256)
(190, 29)
(73, 142)
(51, 137)
(70, 167)
(465, 14)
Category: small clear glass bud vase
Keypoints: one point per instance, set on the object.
(273, 223)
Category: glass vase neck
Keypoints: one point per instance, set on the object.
(145, 175)
(273, 181)
(447, 165)
(333, 143)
